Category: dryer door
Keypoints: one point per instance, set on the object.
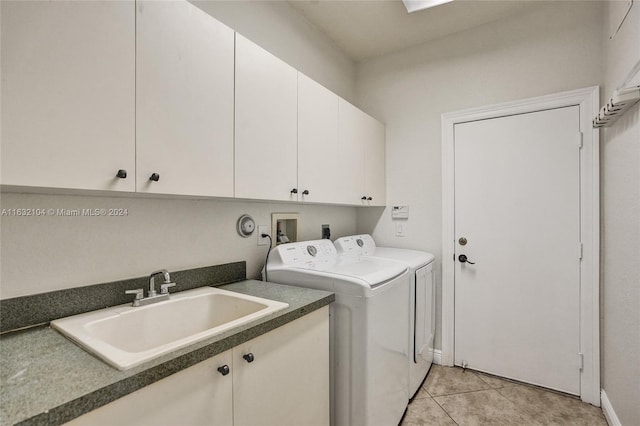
(424, 315)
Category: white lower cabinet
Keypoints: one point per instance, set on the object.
(287, 383)
(279, 378)
(198, 395)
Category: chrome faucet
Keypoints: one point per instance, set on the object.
(152, 295)
(164, 288)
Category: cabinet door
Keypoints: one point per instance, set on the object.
(266, 124)
(352, 131)
(68, 94)
(374, 167)
(287, 383)
(317, 141)
(199, 395)
(184, 100)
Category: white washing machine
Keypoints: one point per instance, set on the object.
(422, 309)
(368, 327)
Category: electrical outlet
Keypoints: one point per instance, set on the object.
(326, 232)
(400, 229)
(263, 229)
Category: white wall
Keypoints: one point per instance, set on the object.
(44, 254)
(280, 29)
(620, 173)
(551, 48)
(52, 252)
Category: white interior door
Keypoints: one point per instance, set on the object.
(517, 203)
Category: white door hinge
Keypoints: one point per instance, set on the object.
(580, 140)
(580, 360)
(579, 251)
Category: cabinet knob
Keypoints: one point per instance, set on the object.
(224, 370)
(248, 357)
(305, 192)
(294, 191)
(364, 198)
(154, 177)
(122, 174)
(369, 198)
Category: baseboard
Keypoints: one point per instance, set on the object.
(437, 356)
(607, 409)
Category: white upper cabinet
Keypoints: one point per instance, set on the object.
(266, 125)
(361, 159)
(317, 142)
(350, 161)
(68, 94)
(374, 163)
(184, 100)
(159, 97)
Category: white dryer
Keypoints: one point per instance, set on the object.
(368, 327)
(422, 308)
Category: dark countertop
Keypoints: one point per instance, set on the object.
(47, 379)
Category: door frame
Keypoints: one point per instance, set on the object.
(588, 100)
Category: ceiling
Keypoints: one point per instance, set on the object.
(367, 28)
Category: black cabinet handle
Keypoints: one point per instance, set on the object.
(463, 259)
(364, 198)
(305, 192)
(154, 177)
(248, 357)
(294, 191)
(369, 198)
(122, 174)
(224, 370)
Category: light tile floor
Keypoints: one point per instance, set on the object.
(453, 396)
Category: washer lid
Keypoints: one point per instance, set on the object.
(411, 258)
(371, 271)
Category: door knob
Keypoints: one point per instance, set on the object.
(369, 198)
(305, 192)
(463, 259)
(224, 370)
(122, 174)
(364, 198)
(248, 357)
(294, 191)
(154, 177)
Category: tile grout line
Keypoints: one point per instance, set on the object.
(445, 411)
(505, 385)
(464, 392)
(551, 392)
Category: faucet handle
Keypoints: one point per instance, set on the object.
(139, 295)
(164, 288)
(138, 292)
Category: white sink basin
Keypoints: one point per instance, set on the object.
(125, 336)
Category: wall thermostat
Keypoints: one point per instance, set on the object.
(400, 212)
(245, 226)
